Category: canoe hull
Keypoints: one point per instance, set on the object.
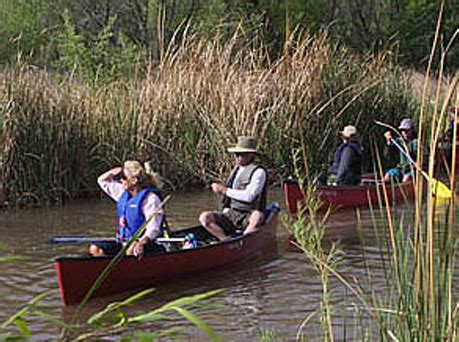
(77, 274)
(346, 197)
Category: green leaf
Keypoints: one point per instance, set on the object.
(23, 312)
(22, 325)
(9, 259)
(181, 302)
(146, 336)
(148, 317)
(203, 326)
(190, 300)
(49, 318)
(117, 305)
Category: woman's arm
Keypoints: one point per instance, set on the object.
(109, 185)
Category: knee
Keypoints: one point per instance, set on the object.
(95, 251)
(205, 218)
(256, 218)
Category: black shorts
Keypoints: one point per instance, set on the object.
(112, 248)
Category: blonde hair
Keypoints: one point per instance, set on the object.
(145, 173)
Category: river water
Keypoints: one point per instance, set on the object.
(275, 294)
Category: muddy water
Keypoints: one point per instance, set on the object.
(275, 294)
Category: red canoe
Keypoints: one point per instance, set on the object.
(76, 274)
(344, 197)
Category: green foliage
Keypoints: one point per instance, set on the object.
(31, 28)
(19, 320)
(23, 29)
(95, 56)
(112, 318)
(113, 321)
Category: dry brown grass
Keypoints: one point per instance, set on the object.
(184, 112)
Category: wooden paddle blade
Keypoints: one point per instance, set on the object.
(440, 189)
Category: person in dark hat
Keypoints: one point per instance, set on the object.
(346, 168)
(403, 171)
(244, 194)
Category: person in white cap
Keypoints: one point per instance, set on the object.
(244, 194)
(403, 171)
(346, 168)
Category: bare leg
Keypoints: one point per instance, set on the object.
(255, 220)
(207, 219)
(387, 177)
(96, 251)
(406, 178)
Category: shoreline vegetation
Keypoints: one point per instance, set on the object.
(85, 84)
(59, 131)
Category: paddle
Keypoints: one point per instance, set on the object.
(439, 188)
(81, 240)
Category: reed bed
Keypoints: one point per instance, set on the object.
(59, 133)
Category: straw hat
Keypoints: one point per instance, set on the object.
(349, 131)
(245, 144)
(146, 175)
(133, 168)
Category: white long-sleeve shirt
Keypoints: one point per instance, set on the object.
(253, 189)
(115, 189)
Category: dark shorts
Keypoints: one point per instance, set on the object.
(231, 221)
(398, 175)
(112, 247)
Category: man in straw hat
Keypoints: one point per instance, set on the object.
(135, 188)
(403, 171)
(244, 194)
(346, 168)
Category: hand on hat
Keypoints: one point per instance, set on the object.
(218, 188)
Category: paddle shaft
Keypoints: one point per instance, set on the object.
(77, 240)
(402, 150)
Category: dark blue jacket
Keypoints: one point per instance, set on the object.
(130, 207)
(347, 164)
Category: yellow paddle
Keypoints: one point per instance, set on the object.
(439, 189)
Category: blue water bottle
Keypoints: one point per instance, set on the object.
(190, 241)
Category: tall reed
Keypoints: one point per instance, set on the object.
(418, 249)
(59, 133)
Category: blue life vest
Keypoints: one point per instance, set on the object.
(130, 207)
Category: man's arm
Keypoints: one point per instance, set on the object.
(253, 189)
